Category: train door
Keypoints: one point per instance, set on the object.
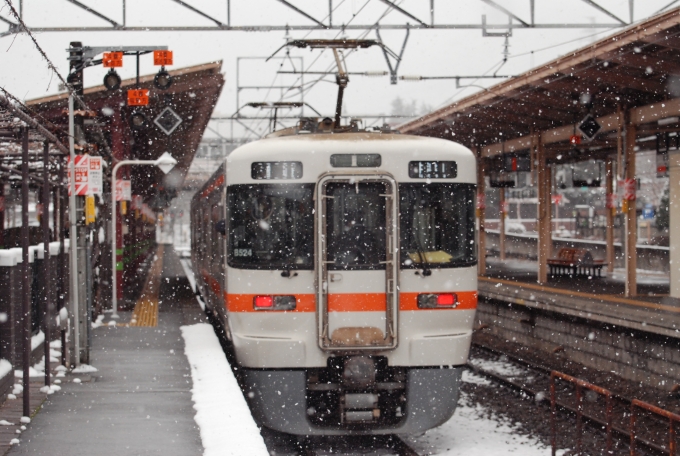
(356, 254)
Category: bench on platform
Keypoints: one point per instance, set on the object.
(575, 262)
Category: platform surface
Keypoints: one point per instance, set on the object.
(596, 299)
(139, 402)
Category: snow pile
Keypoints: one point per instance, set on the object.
(5, 367)
(499, 367)
(471, 433)
(471, 377)
(227, 427)
(37, 340)
(32, 372)
(186, 265)
(98, 322)
(84, 369)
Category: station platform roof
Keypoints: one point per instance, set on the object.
(192, 96)
(635, 70)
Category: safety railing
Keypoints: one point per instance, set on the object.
(580, 386)
(670, 416)
(635, 431)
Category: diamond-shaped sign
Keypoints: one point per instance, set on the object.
(168, 120)
(589, 127)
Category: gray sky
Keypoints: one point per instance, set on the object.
(457, 52)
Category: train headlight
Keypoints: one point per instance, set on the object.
(274, 303)
(438, 301)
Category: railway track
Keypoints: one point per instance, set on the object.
(533, 380)
(388, 445)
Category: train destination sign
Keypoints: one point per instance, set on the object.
(356, 160)
(276, 170)
(432, 169)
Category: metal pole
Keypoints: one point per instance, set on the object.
(46, 257)
(114, 263)
(73, 235)
(62, 256)
(25, 282)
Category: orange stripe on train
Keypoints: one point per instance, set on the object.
(349, 302)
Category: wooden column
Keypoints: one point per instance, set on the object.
(631, 217)
(544, 212)
(610, 215)
(674, 225)
(481, 213)
(501, 222)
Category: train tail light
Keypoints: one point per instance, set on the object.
(274, 303)
(438, 301)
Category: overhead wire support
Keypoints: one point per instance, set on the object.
(393, 5)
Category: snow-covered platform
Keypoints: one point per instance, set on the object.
(147, 394)
(593, 299)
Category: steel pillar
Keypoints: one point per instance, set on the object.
(25, 279)
(47, 260)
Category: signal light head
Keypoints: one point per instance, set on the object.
(162, 80)
(274, 303)
(138, 120)
(112, 80)
(438, 301)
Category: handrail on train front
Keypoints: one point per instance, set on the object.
(391, 260)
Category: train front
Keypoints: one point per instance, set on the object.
(351, 280)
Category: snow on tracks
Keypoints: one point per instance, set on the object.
(227, 427)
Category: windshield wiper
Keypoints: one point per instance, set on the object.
(427, 271)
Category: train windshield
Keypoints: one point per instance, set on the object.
(271, 226)
(437, 225)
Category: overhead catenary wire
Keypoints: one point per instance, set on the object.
(68, 86)
(331, 66)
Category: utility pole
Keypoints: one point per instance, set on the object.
(78, 347)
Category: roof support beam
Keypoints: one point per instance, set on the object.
(495, 5)
(199, 12)
(295, 8)
(404, 12)
(638, 116)
(603, 10)
(96, 13)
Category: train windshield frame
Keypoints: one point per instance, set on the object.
(271, 226)
(437, 225)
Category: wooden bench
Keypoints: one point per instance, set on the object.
(574, 263)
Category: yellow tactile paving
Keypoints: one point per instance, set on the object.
(146, 309)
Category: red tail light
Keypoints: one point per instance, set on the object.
(263, 302)
(274, 302)
(444, 300)
(434, 301)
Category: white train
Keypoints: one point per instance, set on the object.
(342, 266)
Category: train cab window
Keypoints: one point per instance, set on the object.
(271, 226)
(437, 225)
(356, 225)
